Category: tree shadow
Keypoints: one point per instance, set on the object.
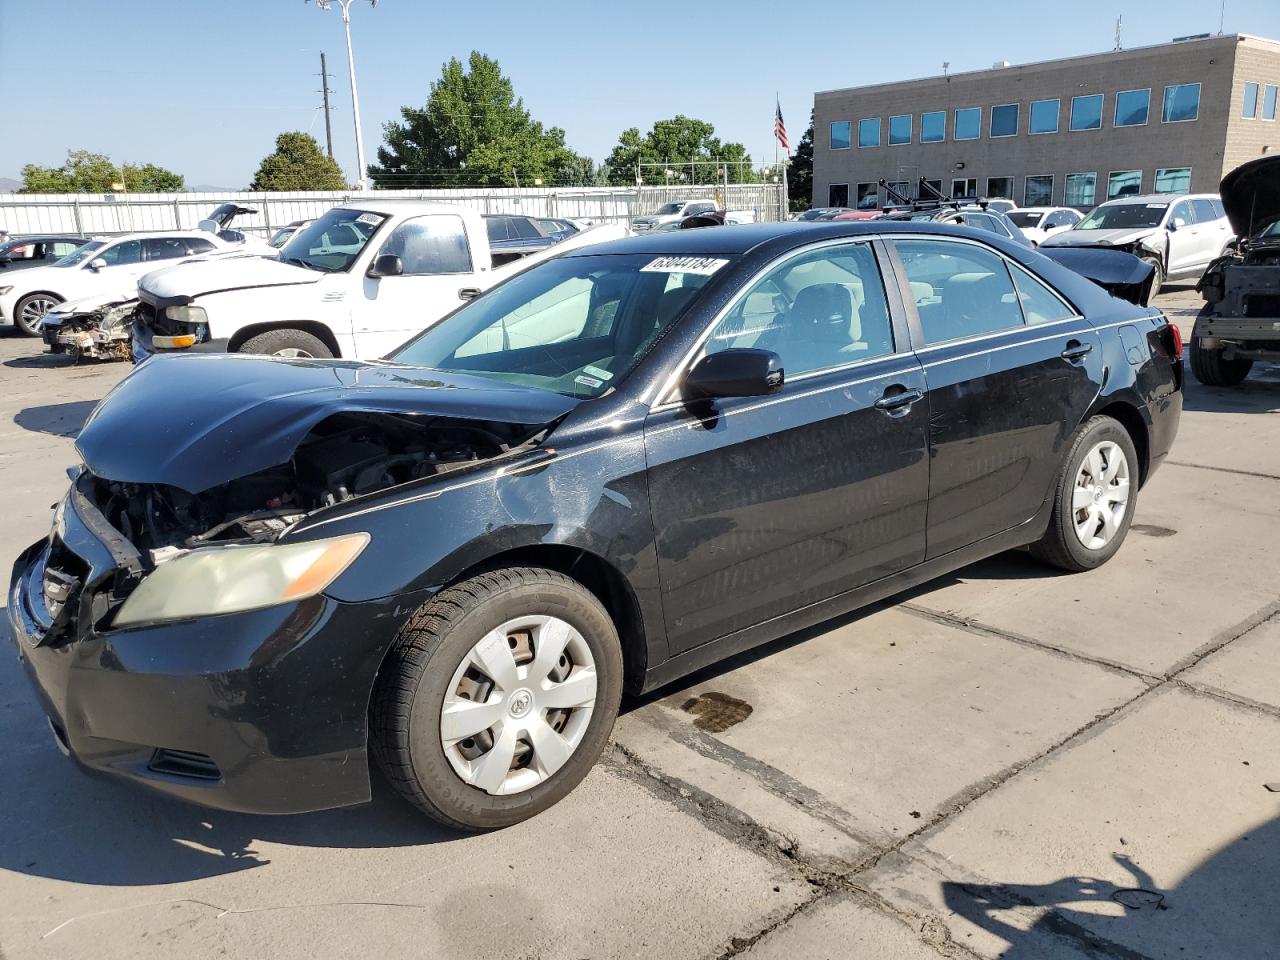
(1226, 906)
(58, 419)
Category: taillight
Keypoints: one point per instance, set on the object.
(1176, 335)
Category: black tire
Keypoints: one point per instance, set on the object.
(1060, 546)
(1157, 281)
(1214, 370)
(414, 680)
(21, 325)
(287, 342)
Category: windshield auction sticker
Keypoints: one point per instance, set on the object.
(702, 266)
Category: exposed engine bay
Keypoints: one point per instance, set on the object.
(102, 333)
(345, 456)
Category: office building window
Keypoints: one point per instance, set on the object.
(868, 196)
(840, 135)
(1269, 102)
(968, 125)
(1037, 191)
(964, 187)
(1124, 183)
(1044, 116)
(1004, 120)
(1181, 102)
(838, 195)
(1079, 189)
(1000, 187)
(1250, 100)
(900, 129)
(901, 188)
(1173, 180)
(933, 126)
(869, 132)
(1086, 112)
(1132, 107)
(936, 185)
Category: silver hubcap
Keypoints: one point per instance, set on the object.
(33, 312)
(518, 705)
(294, 352)
(1101, 495)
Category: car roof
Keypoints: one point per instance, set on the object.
(37, 237)
(1161, 198)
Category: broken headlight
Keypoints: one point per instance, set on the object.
(215, 580)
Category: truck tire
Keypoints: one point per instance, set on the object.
(497, 697)
(287, 343)
(1213, 369)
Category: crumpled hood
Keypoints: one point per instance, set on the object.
(186, 281)
(197, 421)
(1251, 195)
(1099, 238)
(1121, 274)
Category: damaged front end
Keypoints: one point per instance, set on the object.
(98, 331)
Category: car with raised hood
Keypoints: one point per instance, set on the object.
(356, 282)
(1177, 234)
(1240, 321)
(619, 466)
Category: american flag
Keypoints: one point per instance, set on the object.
(780, 128)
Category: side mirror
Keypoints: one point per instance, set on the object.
(737, 372)
(1177, 223)
(97, 264)
(387, 265)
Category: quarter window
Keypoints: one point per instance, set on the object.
(1000, 187)
(199, 245)
(1250, 100)
(431, 245)
(1004, 120)
(840, 135)
(961, 289)
(1173, 180)
(1181, 102)
(1044, 116)
(869, 132)
(1037, 191)
(933, 126)
(821, 309)
(900, 129)
(1086, 112)
(1132, 107)
(1124, 183)
(1080, 189)
(968, 124)
(1039, 303)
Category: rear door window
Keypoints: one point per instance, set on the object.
(525, 228)
(1204, 211)
(969, 291)
(165, 248)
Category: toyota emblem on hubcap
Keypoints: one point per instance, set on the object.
(520, 703)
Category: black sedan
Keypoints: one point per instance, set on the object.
(18, 253)
(617, 467)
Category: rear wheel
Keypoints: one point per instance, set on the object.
(497, 697)
(1094, 499)
(1215, 370)
(28, 313)
(287, 343)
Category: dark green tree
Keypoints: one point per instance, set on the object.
(298, 164)
(472, 131)
(86, 172)
(686, 146)
(800, 171)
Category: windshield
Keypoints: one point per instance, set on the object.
(1026, 218)
(669, 208)
(574, 325)
(333, 241)
(80, 254)
(1123, 215)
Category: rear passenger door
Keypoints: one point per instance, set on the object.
(1011, 369)
(762, 505)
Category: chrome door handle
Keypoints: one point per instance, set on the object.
(468, 293)
(895, 401)
(1075, 350)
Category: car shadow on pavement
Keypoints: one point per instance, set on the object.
(41, 361)
(58, 419)
(1226, 906)
(1258, 393)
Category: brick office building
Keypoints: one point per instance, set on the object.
(1070, 132)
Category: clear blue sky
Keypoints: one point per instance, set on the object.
(203, 86)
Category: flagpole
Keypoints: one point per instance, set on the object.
(777, 105)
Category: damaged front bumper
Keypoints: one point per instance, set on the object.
(263, 711)
(98, 334)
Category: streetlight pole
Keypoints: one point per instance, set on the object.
(351, 67)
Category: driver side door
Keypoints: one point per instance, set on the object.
(1184, 239)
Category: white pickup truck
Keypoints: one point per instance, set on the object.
(357, 282)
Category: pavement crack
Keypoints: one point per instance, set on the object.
(1239, 473)
(1256, 619)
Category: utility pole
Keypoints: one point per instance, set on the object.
(363, 180)
(324, 88)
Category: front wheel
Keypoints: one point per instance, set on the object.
(297, 344)
(29, 312)
(1157, 279)
(1215, 370)
(497, 697)
(1094, 499)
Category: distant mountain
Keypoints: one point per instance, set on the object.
(10, 185)
(211, 188)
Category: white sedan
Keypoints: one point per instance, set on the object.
(100, 267)
(1041, 222)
